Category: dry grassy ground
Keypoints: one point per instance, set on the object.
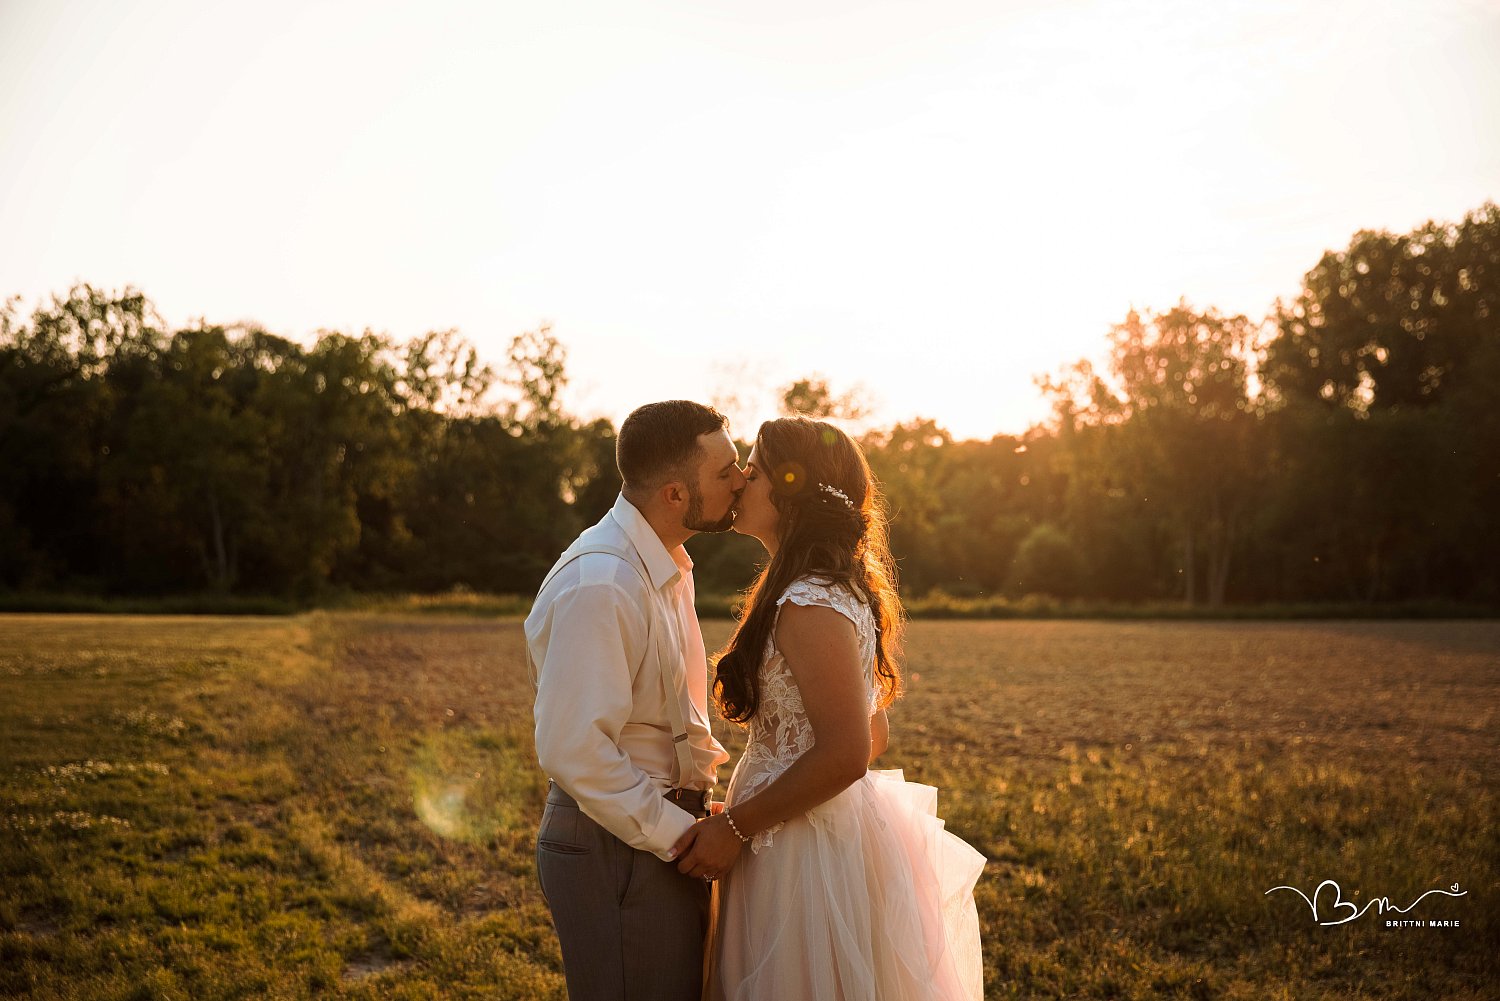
(343, 805)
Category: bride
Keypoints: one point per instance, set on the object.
(838, 882)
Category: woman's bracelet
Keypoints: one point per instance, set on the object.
(733, 827)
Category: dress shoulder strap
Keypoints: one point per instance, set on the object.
(810, 591)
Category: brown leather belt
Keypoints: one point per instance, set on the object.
(694, 801)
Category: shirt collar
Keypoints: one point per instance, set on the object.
(662, 566)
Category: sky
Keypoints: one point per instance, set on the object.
(925, 203)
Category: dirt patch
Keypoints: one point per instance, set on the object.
(367, 965)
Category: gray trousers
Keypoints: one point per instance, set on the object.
(632, 927)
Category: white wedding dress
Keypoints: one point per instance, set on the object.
(863, 897)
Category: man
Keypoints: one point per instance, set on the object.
(622, 725)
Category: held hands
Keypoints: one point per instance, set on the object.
(709, 848)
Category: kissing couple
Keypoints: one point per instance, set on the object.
(817, 878)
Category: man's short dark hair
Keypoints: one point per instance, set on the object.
(659, 440)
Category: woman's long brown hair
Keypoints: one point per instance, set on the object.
(821, 537)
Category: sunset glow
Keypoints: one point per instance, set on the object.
(934, 202)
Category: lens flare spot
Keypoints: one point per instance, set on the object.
(474, 785)
(442, 810)
(790, 477)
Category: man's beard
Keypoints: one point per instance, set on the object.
(694, 519)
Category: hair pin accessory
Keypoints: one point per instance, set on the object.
(833, 491)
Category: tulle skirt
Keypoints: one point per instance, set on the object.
(864, 897)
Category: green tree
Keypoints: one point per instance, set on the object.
(1389, 322)
(1383, 372)
(1182, 430)
(496, 493)
(908, 460)
(811, 397)
(56, 404)
(187, 475)
(1047, 562)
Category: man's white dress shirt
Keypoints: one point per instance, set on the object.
(603, 732)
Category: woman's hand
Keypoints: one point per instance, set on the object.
(708, 849)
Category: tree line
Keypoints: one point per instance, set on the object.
(1344, 448)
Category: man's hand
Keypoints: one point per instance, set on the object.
(709, 849)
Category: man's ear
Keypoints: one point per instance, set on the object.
(673, 493)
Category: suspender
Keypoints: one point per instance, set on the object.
(682, 759)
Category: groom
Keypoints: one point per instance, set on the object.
(622, 727)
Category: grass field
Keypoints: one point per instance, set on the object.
(343, 805)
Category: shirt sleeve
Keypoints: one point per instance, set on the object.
(584, 698)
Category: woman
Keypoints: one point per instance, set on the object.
(850, 889)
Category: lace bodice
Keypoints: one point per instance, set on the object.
(780, 732)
